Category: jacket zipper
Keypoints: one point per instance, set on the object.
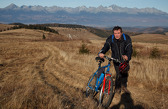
(118, 52)
(121, 54)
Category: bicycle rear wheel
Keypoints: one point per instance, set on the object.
(91, 85)
(107, 92)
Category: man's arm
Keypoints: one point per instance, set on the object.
(105, 48)
(128, 48)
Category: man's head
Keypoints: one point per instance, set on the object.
(117, 31)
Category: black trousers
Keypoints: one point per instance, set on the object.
(121, 79)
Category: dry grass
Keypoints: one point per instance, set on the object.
(152, 71)
(76, 33)
(144, 49)
(4, 27)
(151, 38)
(36, 73)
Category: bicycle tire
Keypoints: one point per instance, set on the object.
(106, 97)
(91, 82)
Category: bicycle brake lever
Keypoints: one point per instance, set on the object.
(117, 60)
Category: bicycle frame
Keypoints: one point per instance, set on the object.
(101, 78)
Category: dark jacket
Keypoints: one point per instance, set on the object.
(118, 47)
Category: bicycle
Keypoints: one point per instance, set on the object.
(104, 81)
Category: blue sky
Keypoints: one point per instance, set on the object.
(159, 4)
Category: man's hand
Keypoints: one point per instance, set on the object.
(101, 55)
(125, 57)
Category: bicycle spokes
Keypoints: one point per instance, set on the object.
(106, 93)
(109, 87)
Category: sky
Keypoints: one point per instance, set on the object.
(158, 4)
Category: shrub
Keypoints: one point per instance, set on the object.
(155, 53)
(84, 50)
(134, 54)
(44, 37)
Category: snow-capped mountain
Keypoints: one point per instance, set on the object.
(93, 16)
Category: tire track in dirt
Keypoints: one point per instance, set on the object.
(44, 75)
(53, 72)
(57, 65)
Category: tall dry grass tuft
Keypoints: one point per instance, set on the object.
(155, 53)
(149, 65)
(150, 50)
(153, 72)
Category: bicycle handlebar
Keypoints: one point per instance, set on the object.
(110, 59)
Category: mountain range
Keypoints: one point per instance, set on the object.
(90, 16)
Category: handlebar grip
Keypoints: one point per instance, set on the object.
(105, 57)
(112, 59)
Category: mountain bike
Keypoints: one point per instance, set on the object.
(101, 81)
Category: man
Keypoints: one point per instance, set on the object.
(121, 47)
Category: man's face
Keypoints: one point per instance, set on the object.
(117, 34)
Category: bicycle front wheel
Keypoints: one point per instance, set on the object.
(107, 92)
(91, 85)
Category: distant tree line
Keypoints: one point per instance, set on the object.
(96, 31)
(36, 26)
(99, 32)
(64, 25)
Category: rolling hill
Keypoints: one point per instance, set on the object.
(151, 38)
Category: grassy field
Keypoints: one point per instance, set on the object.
(151, 38)
(52, 74)
(4, 27)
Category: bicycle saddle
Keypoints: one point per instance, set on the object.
(99, 59)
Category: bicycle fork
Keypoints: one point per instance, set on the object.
(104, 83)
